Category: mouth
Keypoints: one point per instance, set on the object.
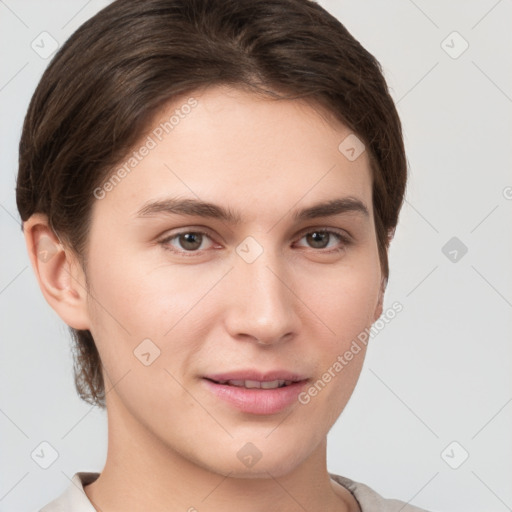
(254, 384)
(256, 393)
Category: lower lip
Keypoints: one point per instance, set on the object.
(257, 401)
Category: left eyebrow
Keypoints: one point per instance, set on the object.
(333, 207)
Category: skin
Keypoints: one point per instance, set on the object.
(297, 306)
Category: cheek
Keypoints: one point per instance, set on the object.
(147, 300)
(345, 300)
(133, 301)
(346, 308)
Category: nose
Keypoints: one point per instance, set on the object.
(262, 305)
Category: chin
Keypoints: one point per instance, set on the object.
(251, 460)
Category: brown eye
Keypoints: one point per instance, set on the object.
(318, 239)
(190, 241)
(187, 242)
(327, 239)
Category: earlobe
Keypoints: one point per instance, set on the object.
(58, 272)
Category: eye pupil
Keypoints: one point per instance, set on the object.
(319, 239)
(191, 240)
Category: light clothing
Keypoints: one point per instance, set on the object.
(74, 499)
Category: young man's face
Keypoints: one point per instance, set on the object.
(273, 296)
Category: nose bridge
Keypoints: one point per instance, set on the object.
(263, 306)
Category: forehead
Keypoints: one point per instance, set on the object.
(231, 147)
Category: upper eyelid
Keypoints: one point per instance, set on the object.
(312, 229)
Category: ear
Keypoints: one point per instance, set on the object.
(380, 301)
(58, 272)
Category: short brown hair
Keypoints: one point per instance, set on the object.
(113, 74)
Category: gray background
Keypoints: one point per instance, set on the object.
(440, 372)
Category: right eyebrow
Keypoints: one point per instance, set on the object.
(193, 207)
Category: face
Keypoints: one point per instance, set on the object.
(239, 250)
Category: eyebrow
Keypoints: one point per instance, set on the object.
(198, 208)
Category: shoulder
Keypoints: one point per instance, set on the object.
(73, 499)
(370, 501)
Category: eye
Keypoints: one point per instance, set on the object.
(193, 243)
(322, 238)
(187, 241)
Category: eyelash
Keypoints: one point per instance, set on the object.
(346, 241)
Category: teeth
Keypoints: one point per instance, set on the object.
(252, 384)
(272, 385)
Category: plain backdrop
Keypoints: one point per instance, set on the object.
(430, 421)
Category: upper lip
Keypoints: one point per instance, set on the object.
(256, 375)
